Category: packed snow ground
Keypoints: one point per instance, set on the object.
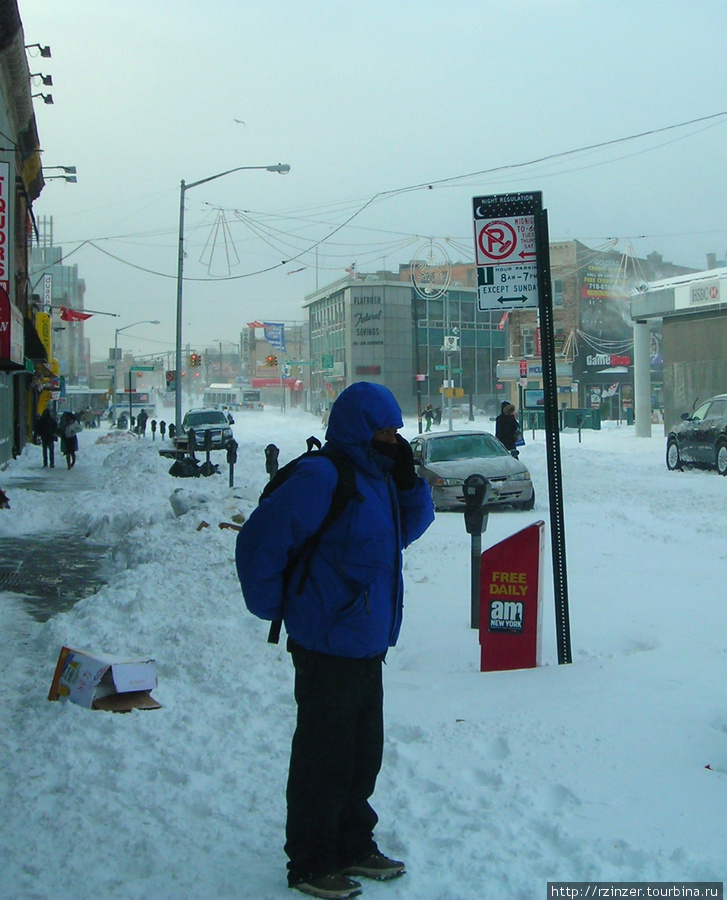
(492, 785)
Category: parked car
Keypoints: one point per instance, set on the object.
(700, 439)
(444, 459)
(212, 420)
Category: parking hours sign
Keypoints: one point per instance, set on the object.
(505, 255)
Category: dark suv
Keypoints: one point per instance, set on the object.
(211, 420)
(701, 437)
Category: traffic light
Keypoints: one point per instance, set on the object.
(195, 359)
(271, 360)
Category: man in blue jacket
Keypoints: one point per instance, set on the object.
(340, 626)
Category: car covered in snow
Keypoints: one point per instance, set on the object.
(211, 420)
(700, 439)
(444, 459)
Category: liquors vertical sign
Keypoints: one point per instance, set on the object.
(5, 237)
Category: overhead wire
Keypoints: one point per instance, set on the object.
(355, 211)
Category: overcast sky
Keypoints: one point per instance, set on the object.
(362, 99)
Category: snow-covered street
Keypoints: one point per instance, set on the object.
(492, 785)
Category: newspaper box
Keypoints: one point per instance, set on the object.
(511, 579)
(97, 681)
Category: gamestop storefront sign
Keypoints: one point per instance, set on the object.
(605, 360)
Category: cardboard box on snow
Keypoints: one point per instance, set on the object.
(97, 681)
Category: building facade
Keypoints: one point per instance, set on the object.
(23, 355)
(690, 312)
(380, 328)
(56, 286)
(593, 331)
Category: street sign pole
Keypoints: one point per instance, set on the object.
(552, 440)
(512, 255)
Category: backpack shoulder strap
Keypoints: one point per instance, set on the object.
(345, 491)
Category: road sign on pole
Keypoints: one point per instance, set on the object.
(505, 253)
(512, 254)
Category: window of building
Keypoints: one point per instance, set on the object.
(557, 292)
(527, 333)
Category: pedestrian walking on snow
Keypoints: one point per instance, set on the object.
(141, 421)
(46, 427)
(429, 416)
(342, 608)
(69, 427)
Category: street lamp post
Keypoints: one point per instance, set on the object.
(116, 349)
(280, 168)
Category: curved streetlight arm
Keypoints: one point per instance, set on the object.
(281, 168)
(116, 347)
(142, 322)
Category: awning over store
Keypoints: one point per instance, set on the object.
(34, 348)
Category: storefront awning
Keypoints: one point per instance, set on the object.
(34, 348)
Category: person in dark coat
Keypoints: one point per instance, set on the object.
(46, 428)
(141, 421)
(341, 620)
(69, 427)
(507, 428)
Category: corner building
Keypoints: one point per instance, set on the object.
(377, 327)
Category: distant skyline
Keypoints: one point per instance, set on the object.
(382, 110)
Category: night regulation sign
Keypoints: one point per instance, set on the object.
(505, 256)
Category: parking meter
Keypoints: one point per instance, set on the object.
(172, 431)
(162, 428)
(153, 429)
(271, 459)
(476, 489)
(207, 447)
(232, 459)
(579, 423)
(191, 442)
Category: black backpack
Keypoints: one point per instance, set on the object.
(344, 492)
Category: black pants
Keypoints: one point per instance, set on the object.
(49, 451)
(334, 761)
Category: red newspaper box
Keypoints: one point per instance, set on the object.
(511, 586)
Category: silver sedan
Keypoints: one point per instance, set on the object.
(445, 459)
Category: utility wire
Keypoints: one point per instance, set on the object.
(426, 185)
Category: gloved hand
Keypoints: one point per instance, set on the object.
(403, 471)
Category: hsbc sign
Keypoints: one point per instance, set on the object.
(704, 293)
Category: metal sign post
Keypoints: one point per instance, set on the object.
(552, 442)
(512, 255)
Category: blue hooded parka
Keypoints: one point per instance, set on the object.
(351, 602)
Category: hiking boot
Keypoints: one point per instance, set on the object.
(333, 887)
(376, 866)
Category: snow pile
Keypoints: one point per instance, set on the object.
(492, 784)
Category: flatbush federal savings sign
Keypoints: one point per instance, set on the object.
(367, 314)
